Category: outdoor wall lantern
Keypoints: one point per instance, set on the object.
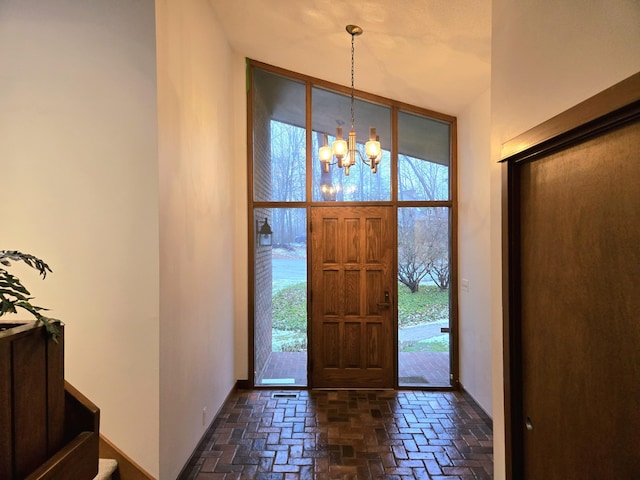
(265, 233)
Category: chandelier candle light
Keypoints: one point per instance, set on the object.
(346, 152)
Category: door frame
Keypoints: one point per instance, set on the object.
(612, 108)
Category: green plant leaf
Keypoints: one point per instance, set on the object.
(14, 295)
(48, 322)
(32, 261)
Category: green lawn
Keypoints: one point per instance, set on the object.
(429, 304)
(290, 308)
(426, 305)
(433, 344)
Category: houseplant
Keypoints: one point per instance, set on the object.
(14, 295)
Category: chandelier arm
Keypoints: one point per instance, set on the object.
(362, 159)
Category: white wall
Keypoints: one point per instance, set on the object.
(546, 57)
(78, 163)
(197, 245)
(474, 168)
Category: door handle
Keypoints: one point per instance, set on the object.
(386, 304)
(528, 424)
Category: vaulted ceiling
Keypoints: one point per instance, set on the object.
(434, 54)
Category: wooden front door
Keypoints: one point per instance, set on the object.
(352, 321)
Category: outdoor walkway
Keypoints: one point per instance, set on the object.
(416, 369)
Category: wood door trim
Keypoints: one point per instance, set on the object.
(598, 113)
(612, 108)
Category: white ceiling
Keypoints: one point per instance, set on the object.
(434, 54)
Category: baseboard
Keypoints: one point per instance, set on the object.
(243, 385)
(481, 411)
(127, 468)
(188, 466)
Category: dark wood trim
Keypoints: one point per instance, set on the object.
(77, 460)
(506, 333)
(306, 206)
(454, 354)
(128, 469)
(309, 139)
(82, 415)
(555, 131)
(511, 330)
(242, 385)
(377, 203)
(394, 200)
(610, 109)
(395, 152)
(251, 237)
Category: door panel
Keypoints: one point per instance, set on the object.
(580, 265)
(352, 331)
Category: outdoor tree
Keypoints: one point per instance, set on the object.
(423, 247)
(421, 179)
(412, 253)
(423, 233)
(288, 157)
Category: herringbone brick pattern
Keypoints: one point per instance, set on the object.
(345, 435)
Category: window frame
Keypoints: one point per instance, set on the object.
(395, 108)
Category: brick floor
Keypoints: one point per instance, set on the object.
(415, 369)
(345, 435)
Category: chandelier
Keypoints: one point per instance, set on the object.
(345, 151)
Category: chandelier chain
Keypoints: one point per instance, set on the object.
(352, 80)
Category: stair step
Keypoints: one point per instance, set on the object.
(106, 467)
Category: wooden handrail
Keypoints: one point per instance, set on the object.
(77, 459)
(81, 414)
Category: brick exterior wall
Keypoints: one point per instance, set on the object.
(263, 264)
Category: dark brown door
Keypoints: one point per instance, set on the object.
(580, 304)
(352, 331)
